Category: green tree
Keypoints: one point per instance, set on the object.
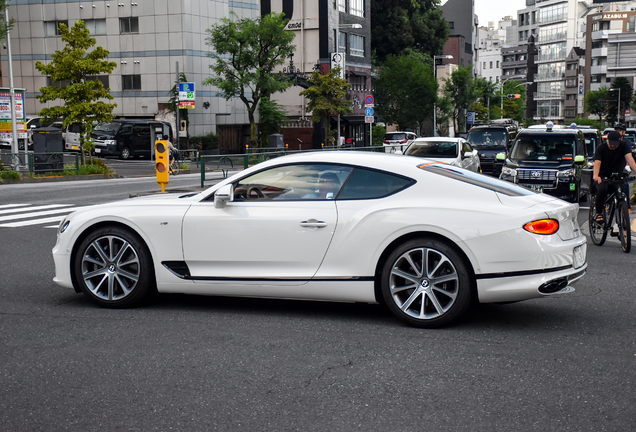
(272, 116)
(405, 89)
(460, 90)
(326, 97)
(246, 52)
(398, 25)
(82, 95)
(596, 102)
(626, 92)
(4, 25)
(481, 112)
(514, 108)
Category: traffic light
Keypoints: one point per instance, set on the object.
(162, 163)
(514, 96)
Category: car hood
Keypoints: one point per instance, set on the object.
(102, 135)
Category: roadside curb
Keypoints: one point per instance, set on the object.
(59, 178)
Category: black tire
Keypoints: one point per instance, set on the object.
(113, 267)
(598, 232)
(417, 296)
(125, 153)
(624, 230)
(175, 167)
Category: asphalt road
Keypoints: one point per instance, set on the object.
(181, 362)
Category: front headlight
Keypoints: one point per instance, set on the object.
(65, 223)
(509, 172)
(110, 142)
(565, 173)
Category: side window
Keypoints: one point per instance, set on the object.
(293, 182)
(126, 129)
(141, 129)
(369, 184)
(74, 128)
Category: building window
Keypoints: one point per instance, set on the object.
(96, 26)
(490, 65)
(53, 27)
(131, 82)
(497, 63)
(484, 65)
(129, 25)
(451, 24)
(356, 45)
(102, 78)
(342, 5)
(342, 42)
(569, 113)
(356, 7)
(58, 84)
(521, 36)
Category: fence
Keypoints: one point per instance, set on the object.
(225, 163)
(37, 163)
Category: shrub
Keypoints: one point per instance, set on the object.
(10, 175)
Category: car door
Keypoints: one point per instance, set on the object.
(72, 136)
(276, 230)
(140, 139)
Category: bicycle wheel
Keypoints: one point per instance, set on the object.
(624, 230)
(598, 231)
(175, 166)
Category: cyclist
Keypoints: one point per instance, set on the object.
(173, 152)
(622, 129)
(609, 157)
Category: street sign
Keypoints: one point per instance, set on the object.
(369, 100)
(338, 60)
(470, 117)
(368, 119)
(6, 128)
(186, 95)
(368, 111)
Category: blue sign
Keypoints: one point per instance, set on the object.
(470, 117)
(368, 111)
(368, 100)
(186, 87)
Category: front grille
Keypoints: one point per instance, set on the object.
(537, 175)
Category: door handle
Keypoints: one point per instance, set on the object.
(313, 223)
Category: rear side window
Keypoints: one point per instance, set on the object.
(395, 136)
(476, 179)
(369, 184)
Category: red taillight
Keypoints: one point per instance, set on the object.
(542, 226)
(386, 142)
(403, 141)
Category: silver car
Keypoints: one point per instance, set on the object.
(397, 142)
(453, 151)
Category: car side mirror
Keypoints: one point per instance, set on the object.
(579, 159)
(501, 157)
(468, 154)
(223, 195)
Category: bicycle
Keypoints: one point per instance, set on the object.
(175, 164)
(616, 207)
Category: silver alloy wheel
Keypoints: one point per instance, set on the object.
(125, 153)
(110, 268)
(424, 283)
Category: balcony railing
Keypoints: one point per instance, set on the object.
(558, 37)
(598, 70)
(547, 58)
(559, 94)
(599, 52)
(553, 19)
(551, 76)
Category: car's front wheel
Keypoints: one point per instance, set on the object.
(125, 153)
(426, 283)
(114, 268)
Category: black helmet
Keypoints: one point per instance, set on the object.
(620, 126)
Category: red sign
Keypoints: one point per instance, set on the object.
(186, 104)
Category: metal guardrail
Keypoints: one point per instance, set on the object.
(255, 156)
(36, 163)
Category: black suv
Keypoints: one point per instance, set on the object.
(489, 140)
(124, 138)
(547, 160)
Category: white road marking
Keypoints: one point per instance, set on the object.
(32, 222)
(37, 214)
(43, 207)
(13, 205)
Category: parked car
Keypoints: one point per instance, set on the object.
(547, 160)
(123, 138)
(397, 142)
(489, 140)
(423, 237)
(453, 151)
(70, 135)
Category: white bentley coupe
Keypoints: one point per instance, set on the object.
(425, 238)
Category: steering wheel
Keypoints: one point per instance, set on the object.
(253, 189)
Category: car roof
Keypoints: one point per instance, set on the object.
(437, 139)
(545, 132)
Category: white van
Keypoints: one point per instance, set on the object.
(70, 136)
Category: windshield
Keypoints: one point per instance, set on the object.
(488, 138)
(631, 135)
(544, 148)
(107, 127)
(437, 149)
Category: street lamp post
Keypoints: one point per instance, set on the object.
(343, 26)
(435, 100)
(618, 111)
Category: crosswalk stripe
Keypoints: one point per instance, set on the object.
(43, 207)
(32, 222)
(37, 214)
(13, 205)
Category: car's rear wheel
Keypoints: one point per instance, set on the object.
(114, 268)
(426, 283)
(125, 153)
